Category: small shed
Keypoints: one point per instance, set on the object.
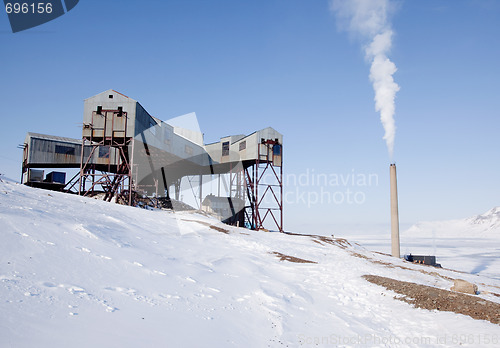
(229, 210)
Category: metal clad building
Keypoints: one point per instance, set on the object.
(137, 152)
(49, 151)
(46, 150)
(245, 148)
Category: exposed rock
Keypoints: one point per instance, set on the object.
(423, 296)
(464, 286)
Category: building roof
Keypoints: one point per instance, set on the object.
(108, 92)
(216, 199)
(240, 137)
(53, 138)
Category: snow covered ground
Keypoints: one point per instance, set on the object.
(85, 273)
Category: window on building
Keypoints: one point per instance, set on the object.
(103, 151)
(277, 150)
(225, 148)
(65, 150)
(243, 145)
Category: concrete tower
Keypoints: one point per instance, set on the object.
(394, 213)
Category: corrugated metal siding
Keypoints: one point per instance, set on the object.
(246, 148)
(51, 137)
(65, 154)
(42, 151)
(108, 124)
(118, 100)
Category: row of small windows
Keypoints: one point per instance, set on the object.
(243, 146)
(104, 150)
(71, 151)
(225, 147)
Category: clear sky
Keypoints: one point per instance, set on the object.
(245, 65)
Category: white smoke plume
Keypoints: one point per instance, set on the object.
(368, 20)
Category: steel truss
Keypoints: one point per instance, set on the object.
(264, 188)
(114, 180)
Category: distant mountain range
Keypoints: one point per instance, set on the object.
(487, 225)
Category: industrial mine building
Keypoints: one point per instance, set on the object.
(130, 157)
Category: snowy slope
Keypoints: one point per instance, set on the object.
(490, 220)
(84, 273)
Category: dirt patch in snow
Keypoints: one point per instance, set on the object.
(427, 297)
(289, 258)
(219, 229)
(213, 227)
(322, 240)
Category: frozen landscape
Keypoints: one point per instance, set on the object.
(470, 245)
(79, 272)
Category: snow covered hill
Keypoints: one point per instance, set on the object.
(490, 219)
(77, 272)
(483, 225)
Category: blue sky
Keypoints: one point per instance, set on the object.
(246, 65)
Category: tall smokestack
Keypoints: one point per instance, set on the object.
(394, 213)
